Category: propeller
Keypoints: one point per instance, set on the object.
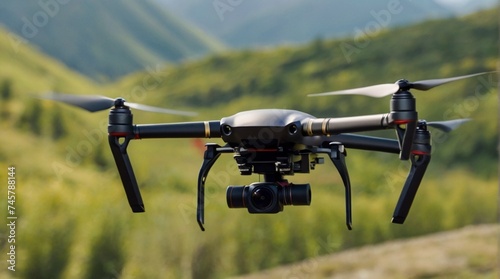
(449, 125)
(95, 103)
(382, 90)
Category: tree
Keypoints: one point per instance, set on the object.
(5, 96)
(31, 119)
(57, 123)
(6, 90)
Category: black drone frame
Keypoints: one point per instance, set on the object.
(320, 135)
(279, 142)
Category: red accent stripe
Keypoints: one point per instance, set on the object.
(418, 152)
(402, 121)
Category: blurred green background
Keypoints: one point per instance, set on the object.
(73, 217)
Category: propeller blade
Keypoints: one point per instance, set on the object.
(382, 90)
(376, 91)
(448, 126)
(159, 110)
(90, 103)
(95, 103)
(431, 83)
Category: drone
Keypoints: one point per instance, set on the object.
(280, 142)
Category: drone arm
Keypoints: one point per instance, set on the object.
(367, 143)
(200, 129)
(330, 126)
(359, 123)
(396, 119)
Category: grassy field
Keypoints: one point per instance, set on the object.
(469, 252)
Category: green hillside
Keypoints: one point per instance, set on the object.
(73, 218)
(32, 72)
(105, 39)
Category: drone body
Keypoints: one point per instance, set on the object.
(278, 142)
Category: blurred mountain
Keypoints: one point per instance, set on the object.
(260, 23)
(467, 6)
(105, 39)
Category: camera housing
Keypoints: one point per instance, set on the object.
(267, 197)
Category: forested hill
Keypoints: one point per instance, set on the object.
(105, 39)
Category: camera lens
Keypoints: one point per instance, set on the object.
(297, 194)
(235, 196)
(262, 198)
